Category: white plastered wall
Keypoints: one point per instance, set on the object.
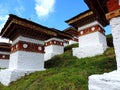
(22, 60)
(115, 27)
(4, 63)
(65, 44)
(26, 39)
(72, 42)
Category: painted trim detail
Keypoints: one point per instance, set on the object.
(66, 41)
(90, 25)
(4, 56)
(54, 42)
(90, 30)
(27, 46)
(75, 39)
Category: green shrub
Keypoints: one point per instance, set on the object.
(109, 40)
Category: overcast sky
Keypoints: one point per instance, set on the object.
(50, 13)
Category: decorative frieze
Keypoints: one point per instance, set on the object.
(4, 57)
(80, 17)
(54, 42)
(91, 30)
(75, 39)
(90, 25)
(66, 41)
(27, 46)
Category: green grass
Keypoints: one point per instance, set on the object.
(65, 72)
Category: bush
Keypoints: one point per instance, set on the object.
(109, 40)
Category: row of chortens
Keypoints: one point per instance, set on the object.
(33, 44)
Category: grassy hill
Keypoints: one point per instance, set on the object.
(65, 72)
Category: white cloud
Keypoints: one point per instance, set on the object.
(44, 8)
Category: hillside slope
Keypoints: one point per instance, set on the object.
(65, 72)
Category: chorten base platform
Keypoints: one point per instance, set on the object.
(7, 76)
(107, 81)
(89, 50)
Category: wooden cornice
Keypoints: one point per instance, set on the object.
(79, 17)
(5, 47)
(113, 14)
(99, 9)
(62, 34)
(6, 28)
(33, 27)
(16, 26)
(71, 30)
(84, 21)
(14, 21)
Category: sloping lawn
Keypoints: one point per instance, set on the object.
(65, 72)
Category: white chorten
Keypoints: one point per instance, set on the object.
(53, 46)
(27, 50)
(91, 35)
